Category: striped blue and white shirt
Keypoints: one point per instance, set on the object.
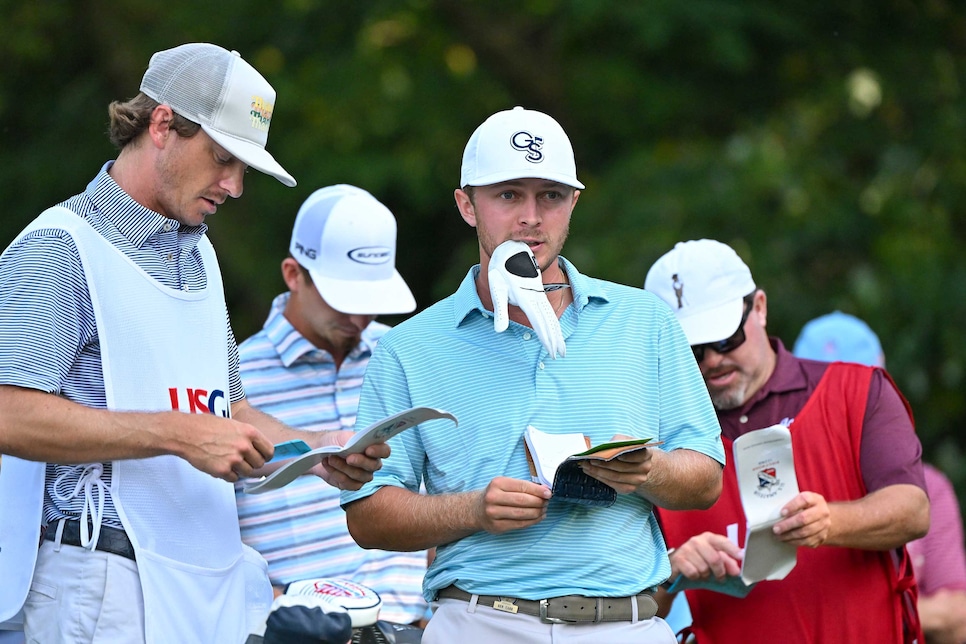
(48, 335)
(300, 529)
(628, 370)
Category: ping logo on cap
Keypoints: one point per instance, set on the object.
(261, 113)
(532, 145)
(311, 253)
(370, 254)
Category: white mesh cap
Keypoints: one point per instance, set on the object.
(347, 240)
(217, 89)
(518, 144)
(704, 281)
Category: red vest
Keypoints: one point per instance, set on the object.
(833, 594)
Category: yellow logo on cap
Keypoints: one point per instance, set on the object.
(261, 113)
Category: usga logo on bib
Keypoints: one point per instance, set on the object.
(199, 401)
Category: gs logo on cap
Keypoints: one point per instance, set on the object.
(532, 145)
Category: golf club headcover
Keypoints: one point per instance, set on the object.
(305, 619)
(515, 278)
(361, 602)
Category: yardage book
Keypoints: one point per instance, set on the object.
(765, 470)
(305, 458)
(766, 481)
(555, 461)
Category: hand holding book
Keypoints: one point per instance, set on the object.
(765, 470)
(305, 459)
(555, 461)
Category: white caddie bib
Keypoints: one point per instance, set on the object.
(164, 349)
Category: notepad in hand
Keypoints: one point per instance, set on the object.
(765, 469)
(378, 432)
(555, 461)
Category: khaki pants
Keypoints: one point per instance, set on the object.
(468, 623)
(79, 595)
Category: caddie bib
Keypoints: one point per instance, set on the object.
(826, 438)
(165, 349)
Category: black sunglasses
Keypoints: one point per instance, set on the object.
(730, 343)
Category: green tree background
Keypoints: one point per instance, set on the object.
(824, 141)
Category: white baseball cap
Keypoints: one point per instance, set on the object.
(518, 144)
(217, 89)
(347, 240)
(704, 281)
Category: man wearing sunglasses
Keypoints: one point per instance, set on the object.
(857, 461)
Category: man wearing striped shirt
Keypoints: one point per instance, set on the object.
(514, 564)
(122, 415)
(305, 367)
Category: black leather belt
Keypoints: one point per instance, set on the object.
(110, 539)
(568, 609)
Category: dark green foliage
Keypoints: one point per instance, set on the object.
(825, 141)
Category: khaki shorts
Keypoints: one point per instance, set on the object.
(80, 595)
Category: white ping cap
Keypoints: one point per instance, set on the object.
(347, 240)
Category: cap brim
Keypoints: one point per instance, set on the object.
(714, 324)
(366, 297)
(499, 177)
(251, 154)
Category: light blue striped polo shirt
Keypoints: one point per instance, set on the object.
(48, 336)
(300, 529)
(628, 370)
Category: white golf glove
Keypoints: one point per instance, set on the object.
(515, 279)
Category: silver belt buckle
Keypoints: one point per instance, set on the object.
(544, 605)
